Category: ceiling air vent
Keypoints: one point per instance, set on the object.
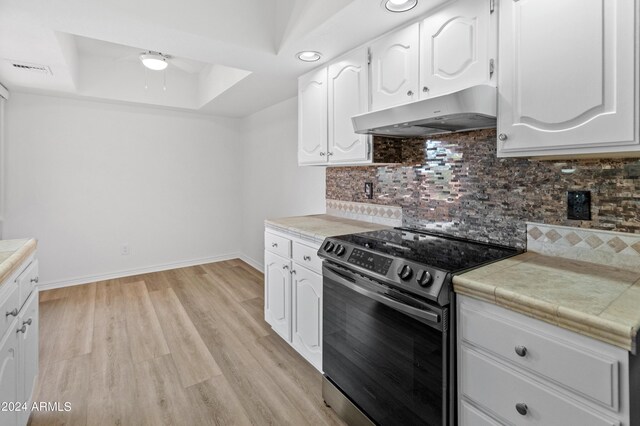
(26, 66)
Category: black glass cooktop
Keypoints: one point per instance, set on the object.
(435, 250)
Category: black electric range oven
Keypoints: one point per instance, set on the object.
(389, 324)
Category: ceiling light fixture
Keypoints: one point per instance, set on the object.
(309, 56)
(399, 5)
(154, 60)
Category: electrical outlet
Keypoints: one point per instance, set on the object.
(579, 205)
(368, 190)
(124, 249)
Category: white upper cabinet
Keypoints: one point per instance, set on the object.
(567, 81)
(394, 68)
(348, 96)
(454, 51)
(312, 118)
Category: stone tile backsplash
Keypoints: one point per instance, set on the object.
(617, 249)
(375, 213)
(457, 185)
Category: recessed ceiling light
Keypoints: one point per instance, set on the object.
(309, 56)
(399, 5)
(154, 61)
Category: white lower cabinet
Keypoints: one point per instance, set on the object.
(515, 370)
(19, 343)
(307, 314)
(28, 321)
(9, 373)
(293, 293)
(277, 294)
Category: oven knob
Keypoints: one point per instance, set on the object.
(339, 250)
(328, 247)
(405, 272)
(424, 278)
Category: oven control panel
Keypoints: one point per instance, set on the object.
(412, 277)
(370, 261)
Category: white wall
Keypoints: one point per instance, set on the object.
(273, 184)
(84, 177)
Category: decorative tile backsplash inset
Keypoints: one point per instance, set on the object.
(618, 249)
(375, 213)
(456, 184)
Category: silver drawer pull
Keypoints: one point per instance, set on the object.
(274, 244)
(293, 272)
(13, 313)
(285, 267)
(522, 408)
(22, 329)
(307, 258)
(521, 351)
(27, 322)
(34, 280)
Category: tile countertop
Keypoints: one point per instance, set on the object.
(13, 253)
(320, 226)
(598, 301)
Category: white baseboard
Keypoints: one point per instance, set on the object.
(155, 268)
(252, 262)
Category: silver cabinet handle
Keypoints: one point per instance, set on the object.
(274, 244)
(34, 280)
(22, 329)
(410, 93)
(521, 351)
(503, 137)
(293, 272)
(322, 154)
(522, 408)
(425, 89)
(13, 313)
(27, 322)
(285, 267)
(307, 258)
(329, 154)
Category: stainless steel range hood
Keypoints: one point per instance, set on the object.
(469, 109)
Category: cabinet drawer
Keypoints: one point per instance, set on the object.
(27, 281)
(9, 302)
(277, 244)
(561, 362)
(498, 388)
(471, 416)
(307, 256)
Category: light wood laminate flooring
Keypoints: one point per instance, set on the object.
(181, 347)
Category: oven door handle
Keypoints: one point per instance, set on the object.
(398, 306)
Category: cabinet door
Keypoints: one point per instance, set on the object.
(348, 96)
(28, 349)
(312, 118)
(566, 77)
(9, 373)
(394, 68)
(307, 314)
(277, 294)
(454, 50)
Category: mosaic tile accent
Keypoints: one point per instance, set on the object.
(375, 213)
(609, 248)
(457, 185)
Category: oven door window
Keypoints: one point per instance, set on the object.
(389, 364)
